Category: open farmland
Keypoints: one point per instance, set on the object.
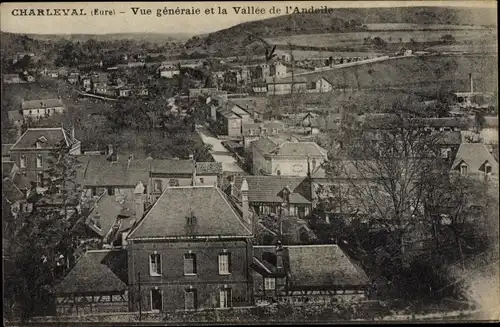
(305, 54)
(356, 38)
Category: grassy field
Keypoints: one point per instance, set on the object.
(305, 54)
(356, 38)
(406, 26)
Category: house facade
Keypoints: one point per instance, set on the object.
(33, 149)
(37, 109)
(278, 157)
(473, 160)
(189, 255)
(253, 131)
(273, 194)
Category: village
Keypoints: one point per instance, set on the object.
(245, 182)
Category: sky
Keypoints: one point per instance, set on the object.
(125, 21)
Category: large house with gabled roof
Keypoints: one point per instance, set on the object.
(41, 108)
(475, 161)
(32, 150)
(191, 251)
(272, 156)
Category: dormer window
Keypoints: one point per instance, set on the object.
(463, 169)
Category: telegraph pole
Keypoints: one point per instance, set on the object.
(140, 295)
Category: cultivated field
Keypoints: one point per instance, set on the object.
(305, 54)
(357, 38)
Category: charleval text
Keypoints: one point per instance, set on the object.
(48, 12)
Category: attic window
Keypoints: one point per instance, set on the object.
(96, 222)
(463, 169)
(191, 220)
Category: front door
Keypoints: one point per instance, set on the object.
(156, 300)
(225, 298)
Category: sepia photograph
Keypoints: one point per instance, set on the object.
(247, 163)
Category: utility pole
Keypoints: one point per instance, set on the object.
(140, 295)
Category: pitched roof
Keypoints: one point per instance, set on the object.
(41, 103)
(267, 188)
(48, 137)
(7, 167)
(168, 217)
(267, 144)
(97, 272)
(475, 155)
(300, 149)
(301, 261)
(105, 211)
(491, 121)
(6, 149)
(98, 170)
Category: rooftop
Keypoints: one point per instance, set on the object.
(336, 270)
(97, 271)
(267, 189)
(41, 103)
(48, 138)
(213, 215)
(475, 155)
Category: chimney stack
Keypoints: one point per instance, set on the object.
(73, 132)
(244, 200)
(129, 161)
(194, 173)
(279, 256)
(471, 83)
(139, 200)
(231, 187)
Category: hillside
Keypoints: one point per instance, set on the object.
(413, 73)
(236, 41)
(159, 38)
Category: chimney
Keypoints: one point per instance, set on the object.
(471, 83)
(244, 201)
(129, 161)
(110, 149)
(231, 187)
(279, 256)
(139, 200)
(73, 132)
(194, 173)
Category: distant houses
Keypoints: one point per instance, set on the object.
(37, 109)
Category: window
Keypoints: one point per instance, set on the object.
(190, 299)
(111, 190)
(314, 164)
(224, 263)
(269, 284)
(155, 264)
(173, 182)
(463, 170)
(225, 298)
(39, 161)
(158, 186)
(23, 161)
(94, 191)
(156, 300)
(39, 177)
(189, 264)
(275, 131)
(264, 131)
(202, 181)
(96, 222)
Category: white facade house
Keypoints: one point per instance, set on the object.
(37, 109)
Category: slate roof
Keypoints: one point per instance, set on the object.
(41, 103)
(449, 138)
(49, 138)
(475, 155)
(300, 149)
(7, 167)
(266, 189)
(106, 211)
(6, 149)
(335, 270)
(168, 217)
(97, 272)
(99, 171)
(266, 144)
